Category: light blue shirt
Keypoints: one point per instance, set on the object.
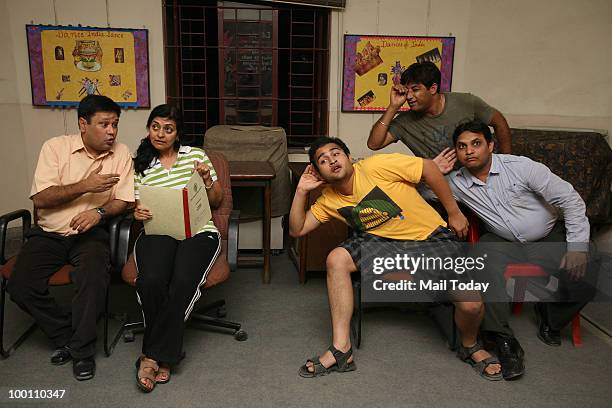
(521, 200)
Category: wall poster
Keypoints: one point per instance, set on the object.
(373, 63)
(67, 63)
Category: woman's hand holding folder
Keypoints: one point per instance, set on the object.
(142, 213)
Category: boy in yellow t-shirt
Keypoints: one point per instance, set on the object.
(377, 197)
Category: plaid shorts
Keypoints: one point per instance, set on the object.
(440, 243)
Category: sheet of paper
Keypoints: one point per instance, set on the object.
(199, 208)
(166, 205)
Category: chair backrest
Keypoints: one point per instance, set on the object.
(221, 216)
(222, 213)
(257, 143)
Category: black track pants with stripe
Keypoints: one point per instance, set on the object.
(170, 274)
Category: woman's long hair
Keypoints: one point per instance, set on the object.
(146, 151)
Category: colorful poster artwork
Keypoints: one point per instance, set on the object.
(373, 64)
(69, 63)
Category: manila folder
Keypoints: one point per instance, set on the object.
(179, 213)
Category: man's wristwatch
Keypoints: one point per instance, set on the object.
(102, 213)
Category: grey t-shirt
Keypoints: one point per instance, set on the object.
(426, 135)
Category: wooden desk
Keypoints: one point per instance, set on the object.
(309, 253)
(257, 174)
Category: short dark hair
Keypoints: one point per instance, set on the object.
(322, 141)
(426, 73)
(474, 126)
(92, 104)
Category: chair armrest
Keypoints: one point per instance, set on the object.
(5, 219)
(232, 239)
(128, 229)
(113, 226)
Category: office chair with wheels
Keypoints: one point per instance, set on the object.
(226, 221)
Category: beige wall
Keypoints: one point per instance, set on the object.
(25, 127)
(541, 63)
(14, 179)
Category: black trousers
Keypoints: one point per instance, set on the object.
(559, 310)
(42, 255)
(170, 274)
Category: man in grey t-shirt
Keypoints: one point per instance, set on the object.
(428, 126)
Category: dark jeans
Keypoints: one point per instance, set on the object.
(41, 256)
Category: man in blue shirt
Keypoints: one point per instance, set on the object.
(520, 203)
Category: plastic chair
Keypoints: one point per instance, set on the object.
(521, 274)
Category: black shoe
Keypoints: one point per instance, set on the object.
(61, 356)
(510, 354)
(547, 335)
(84, 368)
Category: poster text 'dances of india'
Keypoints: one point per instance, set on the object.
(373, 64)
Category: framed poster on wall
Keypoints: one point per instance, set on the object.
(67, 63)
(373, 63)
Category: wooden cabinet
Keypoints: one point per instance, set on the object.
(310, 252)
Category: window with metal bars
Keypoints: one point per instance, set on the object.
(248, 64)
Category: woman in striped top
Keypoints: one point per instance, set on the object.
(170, 272)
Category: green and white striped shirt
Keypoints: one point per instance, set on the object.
(178, 176)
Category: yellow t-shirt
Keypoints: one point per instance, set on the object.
(385, 201)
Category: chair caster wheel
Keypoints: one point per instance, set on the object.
(241, 335)
(129, 336)
(221, 312)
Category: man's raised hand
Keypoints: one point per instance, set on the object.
(445, 160)
(98, 183)
(310, 179)
(399, 95)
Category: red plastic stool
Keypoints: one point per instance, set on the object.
(520, 273)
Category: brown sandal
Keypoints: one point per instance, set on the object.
(143, 363)
(163, 374)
